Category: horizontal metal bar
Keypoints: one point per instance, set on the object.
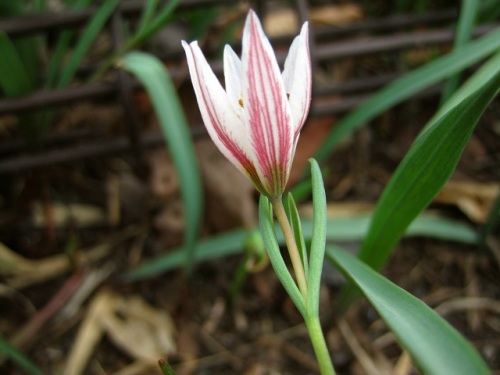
(324, 52)
(38, 22)
(121, 144)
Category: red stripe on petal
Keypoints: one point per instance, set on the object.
(268, 115)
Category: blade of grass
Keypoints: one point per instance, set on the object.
(423, 172)
(318, 239)
(62, 47)
(351, 229)
(163, 16)
(14, 79)
(435, 347)
(268, 232)
(466, 21)
(408, 85)
(19, 358)
(93, 29)
(154, 76)
(144, 33)
(211, 248)
(147, 15)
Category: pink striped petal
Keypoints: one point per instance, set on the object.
(297, 78)
(232, 75)
(223, 125)
(266, 108)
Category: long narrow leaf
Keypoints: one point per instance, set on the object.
(147, 15)
(19, 358)
(318, 238)
(425, 169)
(294, 218)
(14, 79)
(154, 76)
(345, 229)
(435, 347)
(267, 229)
(61, 49)
(410, 84)
(466, 21)
(93, 29)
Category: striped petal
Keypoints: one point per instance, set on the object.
(266, 108)
(256, 120)
(232, 75)
(223, 124)
(297, 78)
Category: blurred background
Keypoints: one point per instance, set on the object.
(97, 208)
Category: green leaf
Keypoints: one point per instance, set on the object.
(342, 229)
(147, 15)
(61, 48)
(15, 355)
(435, 347)
(425, 169)
(410, 84)
(154, 76)
(318, 239)
(154, 25)
(218, 246)
(93, 29)
(294, 218)
(14, 79)
(267, 229)
(468, 14)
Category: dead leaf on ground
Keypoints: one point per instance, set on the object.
(21, 272)
(474, 199)
(281, 22)
(81, 215)
(142, 331)
(336, 15)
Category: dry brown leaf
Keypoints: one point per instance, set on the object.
(336, 15)
(89, 334)
(341, 209)
(474, 199)
(21, 272)
(281, 22)
(81, 215)
(141, 330)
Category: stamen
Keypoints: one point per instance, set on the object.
(240, 102)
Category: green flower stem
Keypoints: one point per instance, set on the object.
(293, 251)
(311, 318)
(319, 344)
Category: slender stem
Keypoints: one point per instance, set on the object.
(319, 344)
(311, 318)
(293, 251)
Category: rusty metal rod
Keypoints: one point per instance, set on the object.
(324, 52)
(34, 23)
(117, 145)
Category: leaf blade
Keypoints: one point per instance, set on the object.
(154, 76)
(413, 322)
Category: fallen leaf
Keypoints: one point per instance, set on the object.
(474, 199)
(81, 215)
(139, 329)
(336, 15)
